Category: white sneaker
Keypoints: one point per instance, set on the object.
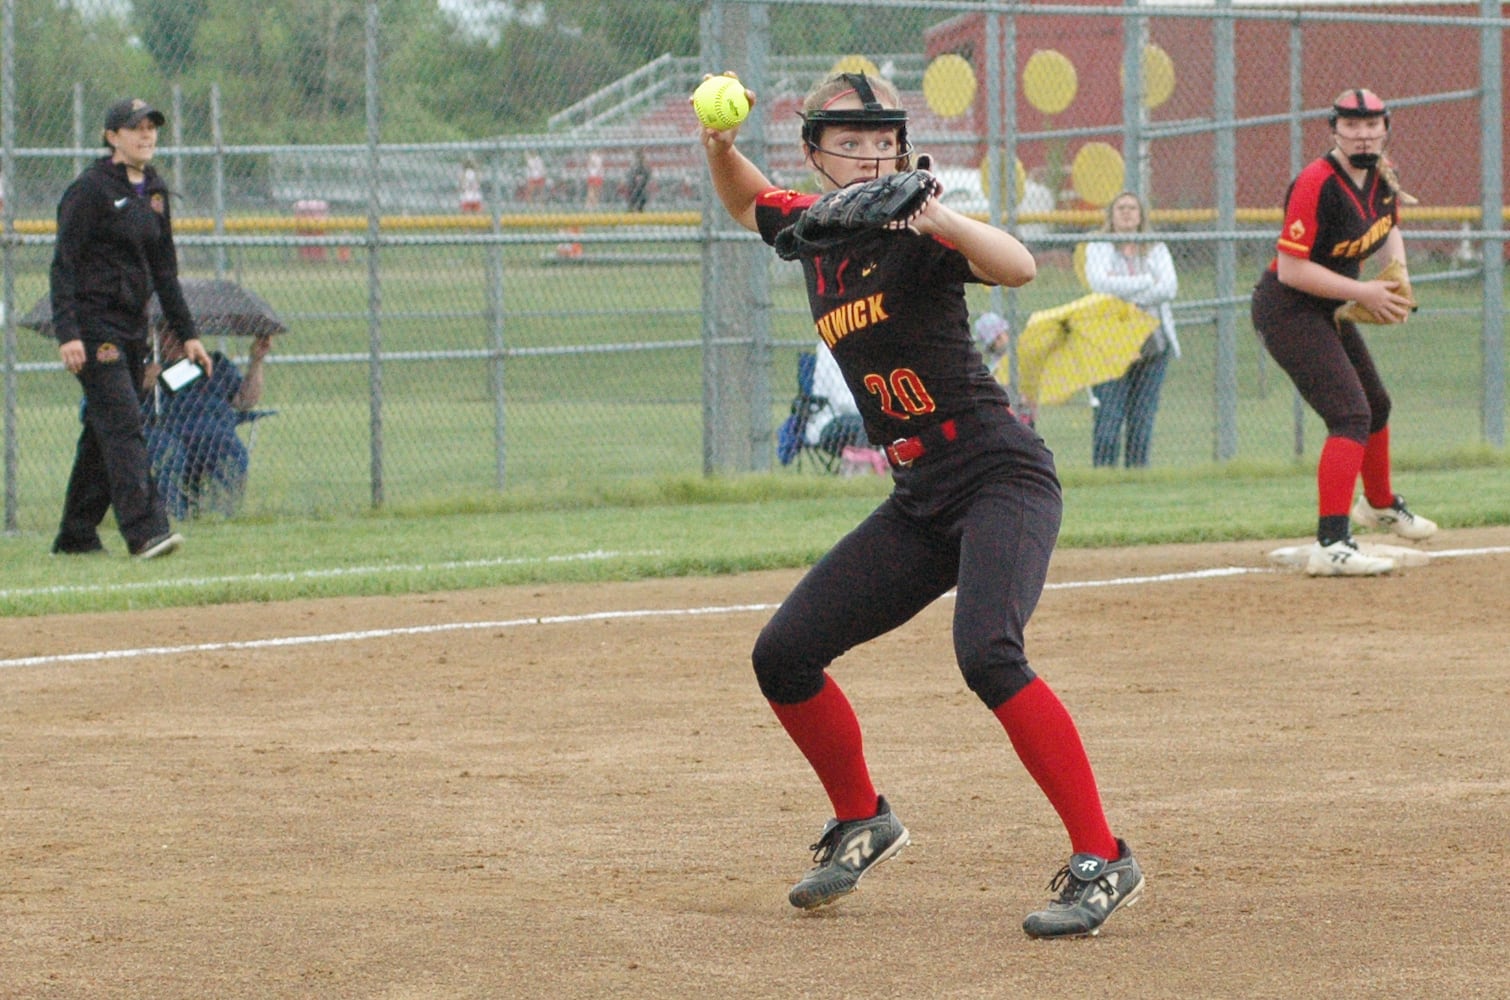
(1343, 559)
(1396, 518)
(162, 545)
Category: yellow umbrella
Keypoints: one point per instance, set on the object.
(1079, 344)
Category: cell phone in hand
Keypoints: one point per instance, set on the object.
(179, 375)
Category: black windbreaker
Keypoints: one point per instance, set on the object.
(114, 248)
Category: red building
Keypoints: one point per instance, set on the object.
(1436, 146)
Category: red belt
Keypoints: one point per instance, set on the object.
(904, 451)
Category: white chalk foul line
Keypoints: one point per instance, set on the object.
(310, 574)
(375, 633)
(388, 633)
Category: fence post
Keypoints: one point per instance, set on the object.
(217, 139)
(8, 255)
(736, 300)
(497, 366)
(1134, 148)
(1492, 161)
(374, 273)
(1224, 105)
(1297, 161)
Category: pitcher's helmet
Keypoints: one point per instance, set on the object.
(1358, 103)
(870, 114)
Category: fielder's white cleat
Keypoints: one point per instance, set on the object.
(1396, 518)
(1342, 558)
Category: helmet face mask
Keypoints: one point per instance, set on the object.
(1358, 104)
(870, 115)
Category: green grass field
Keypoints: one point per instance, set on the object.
(583, 427)
(685, 526)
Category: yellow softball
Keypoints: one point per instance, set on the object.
(720, 102)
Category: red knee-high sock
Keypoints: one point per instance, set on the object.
(1376, 485)
(1046, 740)
(827, 732)
(1337, 474)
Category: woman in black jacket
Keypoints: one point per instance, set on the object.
(114, 249)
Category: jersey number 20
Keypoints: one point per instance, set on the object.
(901, 394)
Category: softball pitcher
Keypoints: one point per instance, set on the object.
(975, 506)
(1341, 209)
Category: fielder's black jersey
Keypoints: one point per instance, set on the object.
(891, 307)
(1331, 221)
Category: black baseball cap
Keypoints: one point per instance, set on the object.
(128, 113)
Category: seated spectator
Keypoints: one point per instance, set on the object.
(198, 460)
(993, 338)
(840, 423)
(838, 429)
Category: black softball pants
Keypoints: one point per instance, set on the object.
(1331, 368)
(110, 465)
(995, 549)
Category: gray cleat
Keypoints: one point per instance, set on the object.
(846, 851)
(1090, 890)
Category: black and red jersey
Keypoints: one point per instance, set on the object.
(891, 307)
(1333, 222)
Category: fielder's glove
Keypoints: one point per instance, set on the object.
(1352, 312)
(889, 202)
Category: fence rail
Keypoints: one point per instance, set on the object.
(563, 334)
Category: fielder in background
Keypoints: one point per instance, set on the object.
(1142, 274)
(975, 507)
(1341, 209)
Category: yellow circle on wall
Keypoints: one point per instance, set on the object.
(855, 64)
(1049, 82)
(1097, 173)
(949, 85)
(1158, 76)
(985, 179)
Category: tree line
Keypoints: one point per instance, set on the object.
(294, 71)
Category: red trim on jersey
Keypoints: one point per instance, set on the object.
(785, 201)
(1298, 234)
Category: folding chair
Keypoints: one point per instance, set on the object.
(202, 466)
(814, 432)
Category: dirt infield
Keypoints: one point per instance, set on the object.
(1315, 775)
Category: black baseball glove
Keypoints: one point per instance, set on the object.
(889, 202)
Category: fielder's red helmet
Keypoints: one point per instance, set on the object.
(1358, 103)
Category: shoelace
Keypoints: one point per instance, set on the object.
(827, 844)
(1069, 889)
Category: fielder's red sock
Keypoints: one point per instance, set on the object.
(827, 732)
(1046, 740)
(1376, 485)
(1337, 474)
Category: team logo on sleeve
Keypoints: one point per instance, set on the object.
(1297, 231)
(107, 353)
(158, 205)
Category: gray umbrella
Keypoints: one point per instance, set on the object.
(219, 307)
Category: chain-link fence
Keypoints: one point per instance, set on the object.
(488, 230)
